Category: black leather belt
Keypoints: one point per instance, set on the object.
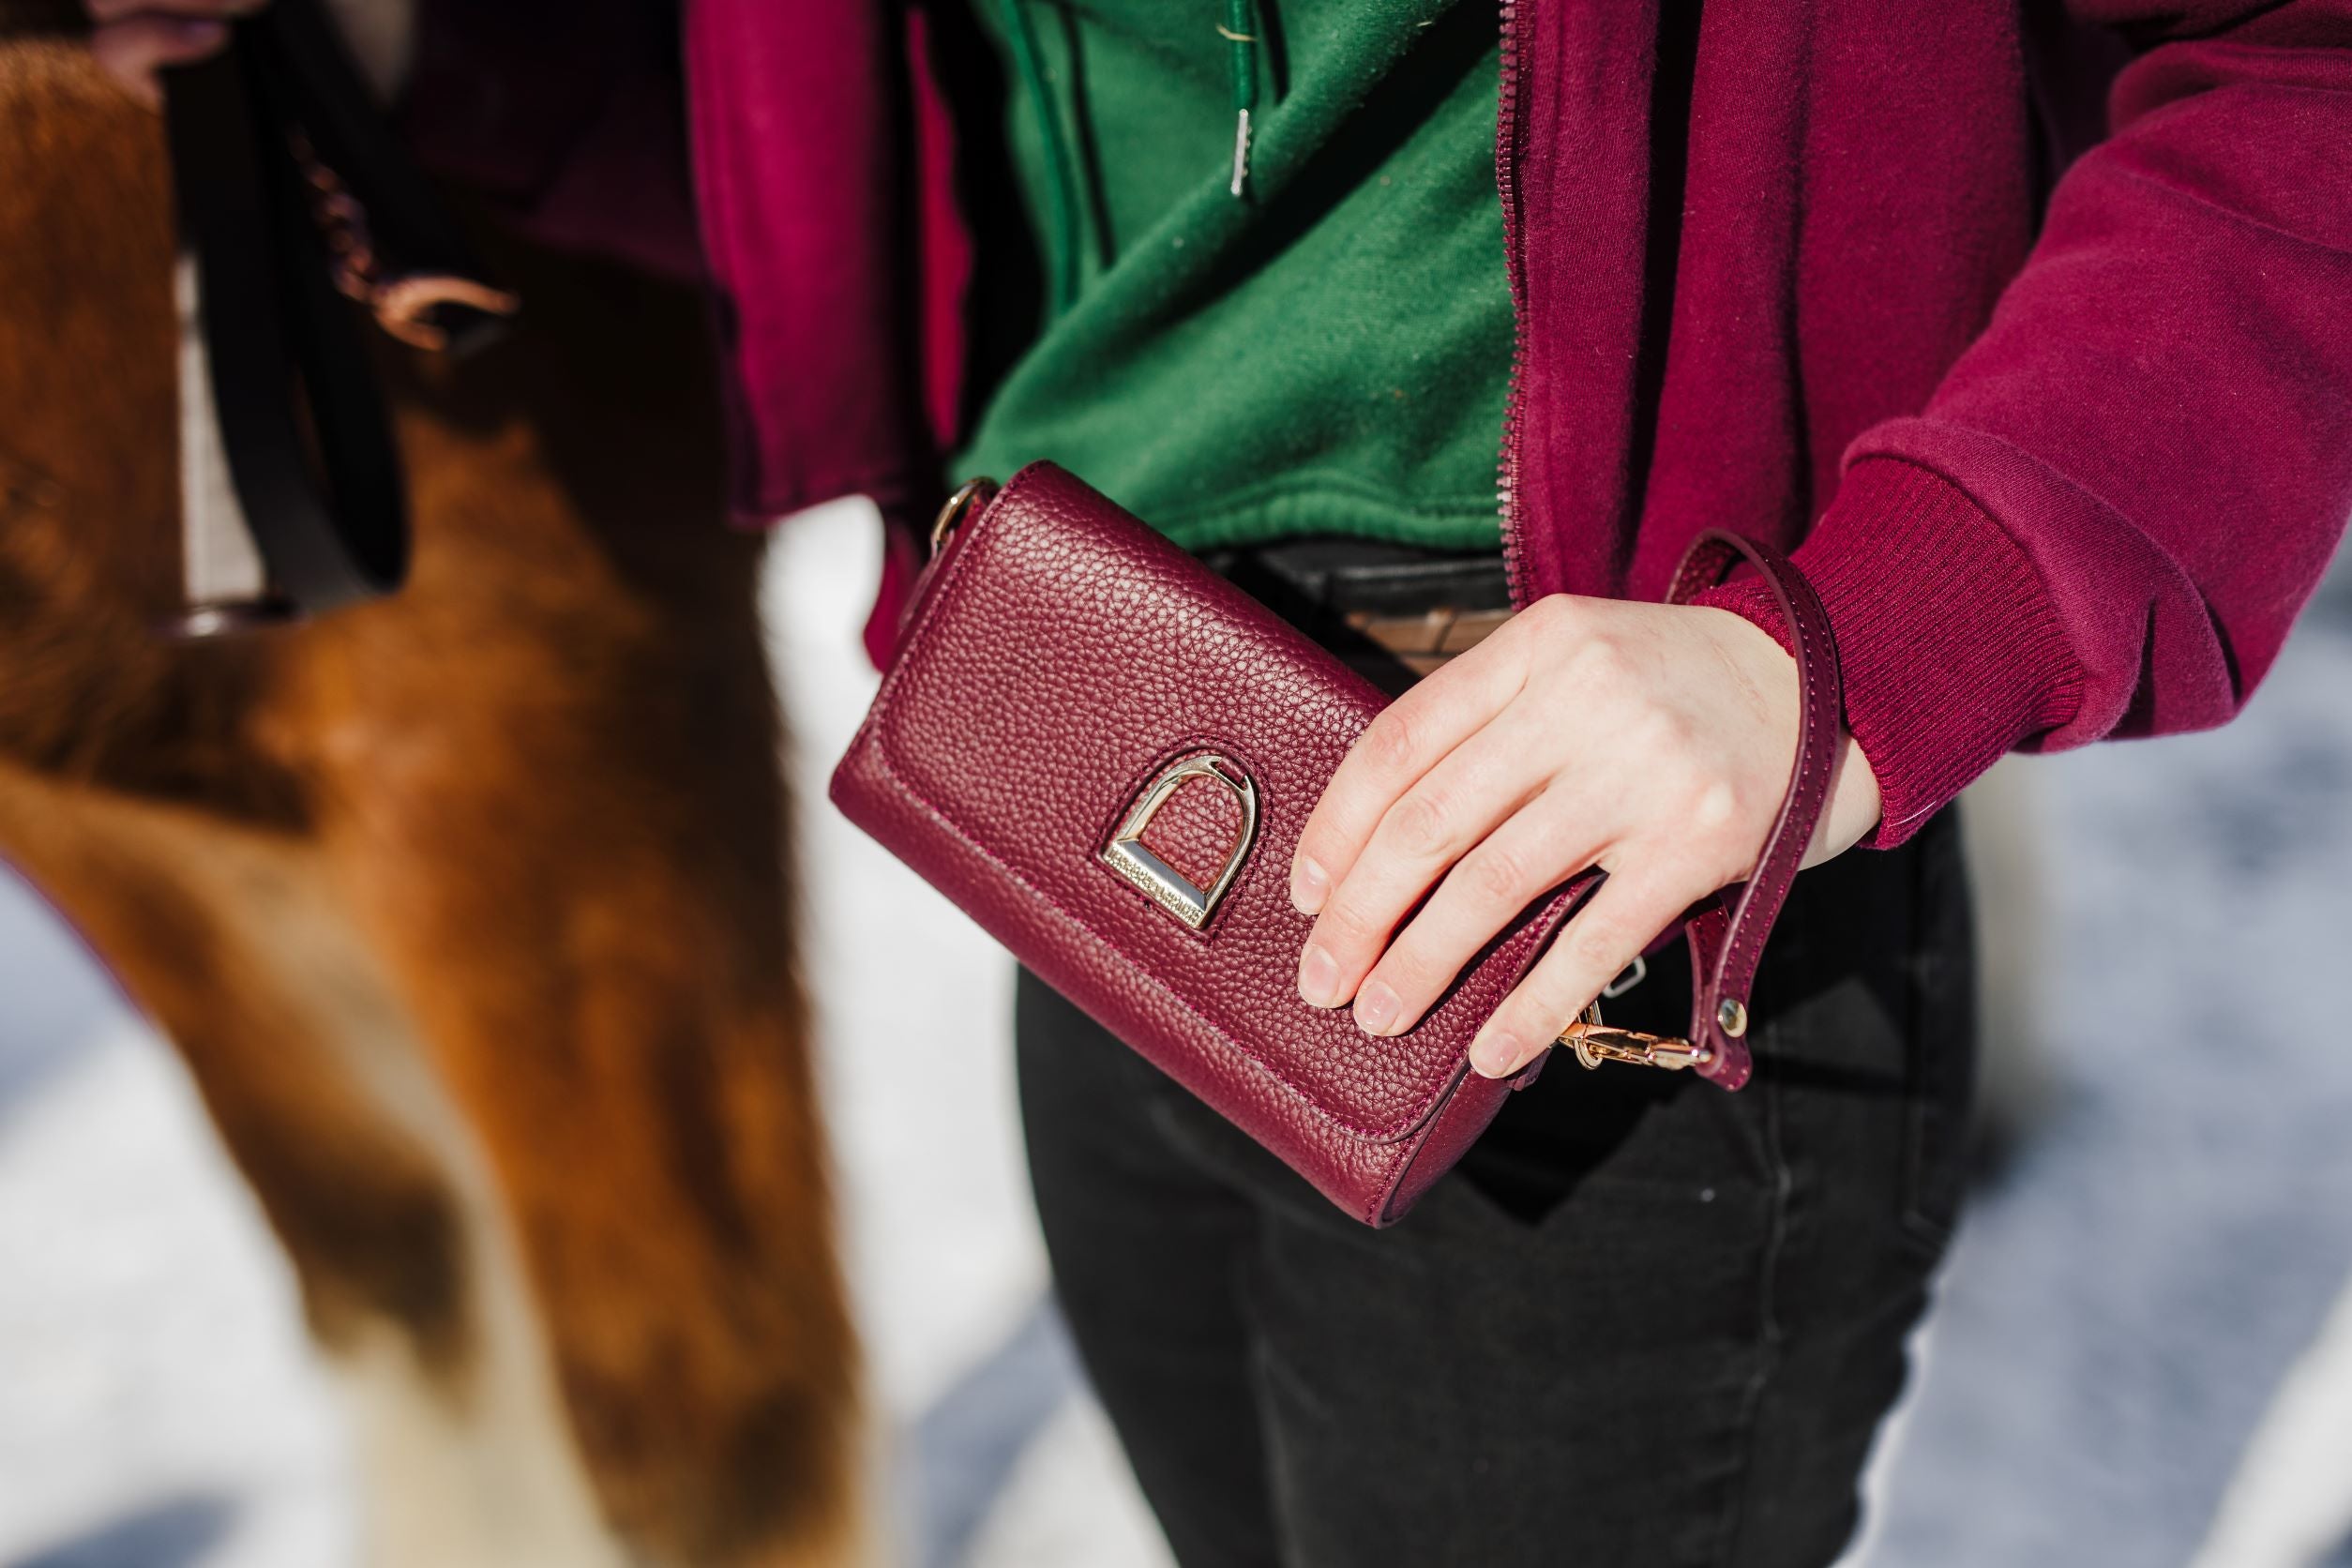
(299, 208)
(1340, 573)
(1394, 611)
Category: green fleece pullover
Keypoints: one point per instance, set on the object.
(1327, 353)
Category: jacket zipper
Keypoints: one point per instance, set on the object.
(1507, 186)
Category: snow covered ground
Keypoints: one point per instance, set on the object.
(2140, 1302)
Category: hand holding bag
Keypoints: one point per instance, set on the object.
(1104, 753)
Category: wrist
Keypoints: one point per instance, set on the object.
(1952, 650)
(1854, 808)
(1854, 805)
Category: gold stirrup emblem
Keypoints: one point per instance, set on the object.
(1167, 887)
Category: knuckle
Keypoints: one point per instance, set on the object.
(1714, 810)
(1597, 940)
(1550, 612)
(1498, 876)
(1604, 661)
(1420, 824)
(1388, 742)
(1346, 926)
(1668, 735)
(1540, 1008)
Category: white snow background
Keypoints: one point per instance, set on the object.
(2133, 1361)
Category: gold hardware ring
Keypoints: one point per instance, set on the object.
(971, 493)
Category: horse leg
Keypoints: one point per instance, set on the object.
(233, 939)
(468, 910)
(548, 778)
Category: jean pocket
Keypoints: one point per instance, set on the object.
(1621, 1128)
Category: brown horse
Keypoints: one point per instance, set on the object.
(470, 910)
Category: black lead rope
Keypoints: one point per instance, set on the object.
(296, 203)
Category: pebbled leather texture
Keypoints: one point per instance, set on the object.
(1058, 655)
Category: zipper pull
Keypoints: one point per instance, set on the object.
(1235, 30)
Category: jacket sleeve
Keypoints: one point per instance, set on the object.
(2106, 519)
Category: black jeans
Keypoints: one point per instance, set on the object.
(1645, 1323)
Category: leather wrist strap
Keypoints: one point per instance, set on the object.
(1724, 947)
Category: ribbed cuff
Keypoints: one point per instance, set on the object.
(1951, 648)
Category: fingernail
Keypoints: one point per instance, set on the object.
(1377, 1007)
(1309, 888)
(201, 32)
(1318, 978)
(1495, 1052)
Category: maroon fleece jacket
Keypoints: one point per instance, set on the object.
(2065, 453)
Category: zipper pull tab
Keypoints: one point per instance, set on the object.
(1235, 30)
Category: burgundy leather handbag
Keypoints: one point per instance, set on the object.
(1104, 752)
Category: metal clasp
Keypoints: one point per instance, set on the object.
(1595, 1042)
(972, 493)
(1167, 887)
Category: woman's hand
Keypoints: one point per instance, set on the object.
(1653, 741)
(135, 39)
